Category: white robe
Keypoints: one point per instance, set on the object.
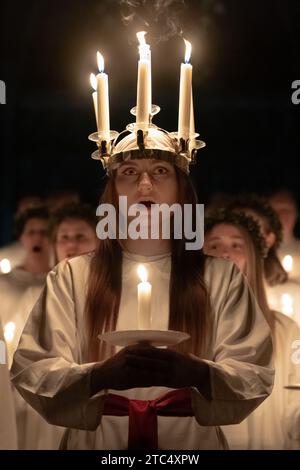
(51, 372)
(19, 291)
(276, 423)
(14, 252)
(8, 429)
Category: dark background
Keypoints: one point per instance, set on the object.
(246, 54)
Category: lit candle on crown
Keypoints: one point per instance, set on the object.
(144, 91)
(102, 100)
(185, 94)
(93, 81)
(144, 300)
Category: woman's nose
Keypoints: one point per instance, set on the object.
(224, 253)
(145, 182)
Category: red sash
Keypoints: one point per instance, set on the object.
(142, 432)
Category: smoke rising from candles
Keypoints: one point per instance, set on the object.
(161, 18)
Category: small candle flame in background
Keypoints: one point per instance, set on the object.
(287, 263)
(188, 51)
(100, 62)
(287, 304)
(142, 273)
(9, 331)
(5, 266)
(93, 81)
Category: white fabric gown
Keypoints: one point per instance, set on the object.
(8, 429)
(276, 423)
(19, 291)
(51, 372)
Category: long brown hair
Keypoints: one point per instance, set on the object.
(254, 273)
(189, 300)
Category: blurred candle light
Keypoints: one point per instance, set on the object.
(144, 299)
(5, 266)
(185, 94)
(144, 86)
(287, 263)
(9, 331)
(102, 100)
(287, 304)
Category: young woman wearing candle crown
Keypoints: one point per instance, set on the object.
(217, 377)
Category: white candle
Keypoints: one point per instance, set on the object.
(93, 81)
(102, 100)
(192, 116)
(185, 92)
(144, 300)
(144, 91)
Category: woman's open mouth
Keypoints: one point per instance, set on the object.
(148, 204)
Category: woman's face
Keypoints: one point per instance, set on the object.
(34, 237)
(74, 237)
(147, 181)
(226, 241)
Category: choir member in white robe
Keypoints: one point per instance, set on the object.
(282, 288)
(275, 424)
(13, 254)
(20, 290)
(8, 428)
(284, 204)
(232, 376)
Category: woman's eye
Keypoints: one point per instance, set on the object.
(129, 172)
(237, 246)
(160, 170)
(212, 247)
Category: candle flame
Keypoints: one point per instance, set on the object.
(100, 61)
(141, 38)
(288, 263)
(188, 51)
(142, 272)
(93, 81)
(9, 331)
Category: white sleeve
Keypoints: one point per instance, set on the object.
(241, 376)
(46, 368)
(291, 418)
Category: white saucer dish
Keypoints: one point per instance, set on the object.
(153, 337)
